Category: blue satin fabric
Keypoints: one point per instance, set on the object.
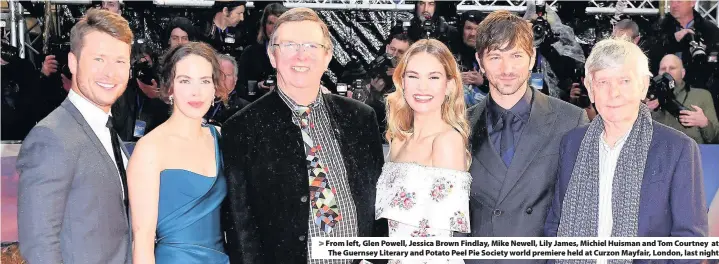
(188, 226)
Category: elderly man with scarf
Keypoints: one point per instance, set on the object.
(625, 175)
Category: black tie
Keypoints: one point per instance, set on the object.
(117, 152)
(506, 142)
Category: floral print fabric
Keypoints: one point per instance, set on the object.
(421, 201)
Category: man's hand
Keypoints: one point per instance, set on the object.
(49, 66)
(653, 104)
(66, 82)
(679, 35)
(377, 84)
(151, 91)
(390, 71)
(575, 92)
(263, 86)
(694, 118)
(472, 77)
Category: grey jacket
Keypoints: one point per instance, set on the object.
(70, 207)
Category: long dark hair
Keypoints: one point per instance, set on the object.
(274, 9)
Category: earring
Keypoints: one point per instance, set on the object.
(171, 102)
(212, 103)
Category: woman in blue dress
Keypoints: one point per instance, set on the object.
(174, 175)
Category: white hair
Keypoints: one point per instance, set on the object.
(614, 53)
(222, 56)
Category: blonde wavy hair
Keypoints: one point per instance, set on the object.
(399, 114)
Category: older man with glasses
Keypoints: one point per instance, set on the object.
(300, 164)
(626, 175)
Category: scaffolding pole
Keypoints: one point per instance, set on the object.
(13, 24)
(21, 29)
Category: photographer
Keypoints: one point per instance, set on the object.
(558, 53)
(179, 31)
(464, 51)
(224, 30)
(380, 75)
(227, 101)
(698, 118)
(627, 29)
(255, 67)
(428, 23)
(689, 36)
(20, 94)
(139, 110)
(112, 6)
(382, 68)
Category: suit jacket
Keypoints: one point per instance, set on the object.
(70, 207)
(518, 208)
(672, 199)
(267, 201)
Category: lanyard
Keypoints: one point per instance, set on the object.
(539, 62)
(140, 105)
(214, 112)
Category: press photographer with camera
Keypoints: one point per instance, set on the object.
(683, 107)
(254, 65)
(464, 51)
(224, 29)
(139, 110)
(382, 68)
(380, 75)
(428, 22)
(227, 101)
(558, 53)
(692, 38)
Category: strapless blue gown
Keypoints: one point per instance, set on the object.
(188, 220)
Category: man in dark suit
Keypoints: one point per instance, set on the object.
(515, 136)
(72, 195)
(626, 175)
(273, 145)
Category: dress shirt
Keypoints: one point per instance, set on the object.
(608, 158)
(322, 134)
(521, 111)
(97, 119)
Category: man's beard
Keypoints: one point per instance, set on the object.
(505, 90)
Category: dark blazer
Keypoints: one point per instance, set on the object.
(267, 204)
(518, 206)
(672, 199)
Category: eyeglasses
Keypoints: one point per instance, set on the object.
(291, 48)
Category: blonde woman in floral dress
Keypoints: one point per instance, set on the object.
(424, 188)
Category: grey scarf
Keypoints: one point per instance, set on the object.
(580, 209)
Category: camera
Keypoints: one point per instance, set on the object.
(696, 46)
(60, 50)
(271, 80)
(143, 71)
(662, 88)
(381, 65)
(583, 100)
(9, 53)
(542, 30)
(359, 91)
(428, 27)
